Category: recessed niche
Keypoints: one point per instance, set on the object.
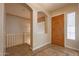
(42, 22)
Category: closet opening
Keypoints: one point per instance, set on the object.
(18, 29)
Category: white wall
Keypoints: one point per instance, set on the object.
(14, 24)
(41, 27)
(14, 28)
(2, 42)
(27, 29)
(42, 39)
(34, 45)
(70, 8)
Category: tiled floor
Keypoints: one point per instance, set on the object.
(48, 50)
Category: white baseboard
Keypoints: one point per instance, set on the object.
(72, 48)
(40, 46)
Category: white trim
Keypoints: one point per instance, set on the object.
(72, 48)
(40, 46)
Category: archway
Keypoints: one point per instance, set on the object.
(18, 29)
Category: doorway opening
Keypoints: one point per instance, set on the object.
(18, 29)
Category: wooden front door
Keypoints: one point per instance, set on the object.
(58, 30)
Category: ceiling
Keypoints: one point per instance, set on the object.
(52, 6)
